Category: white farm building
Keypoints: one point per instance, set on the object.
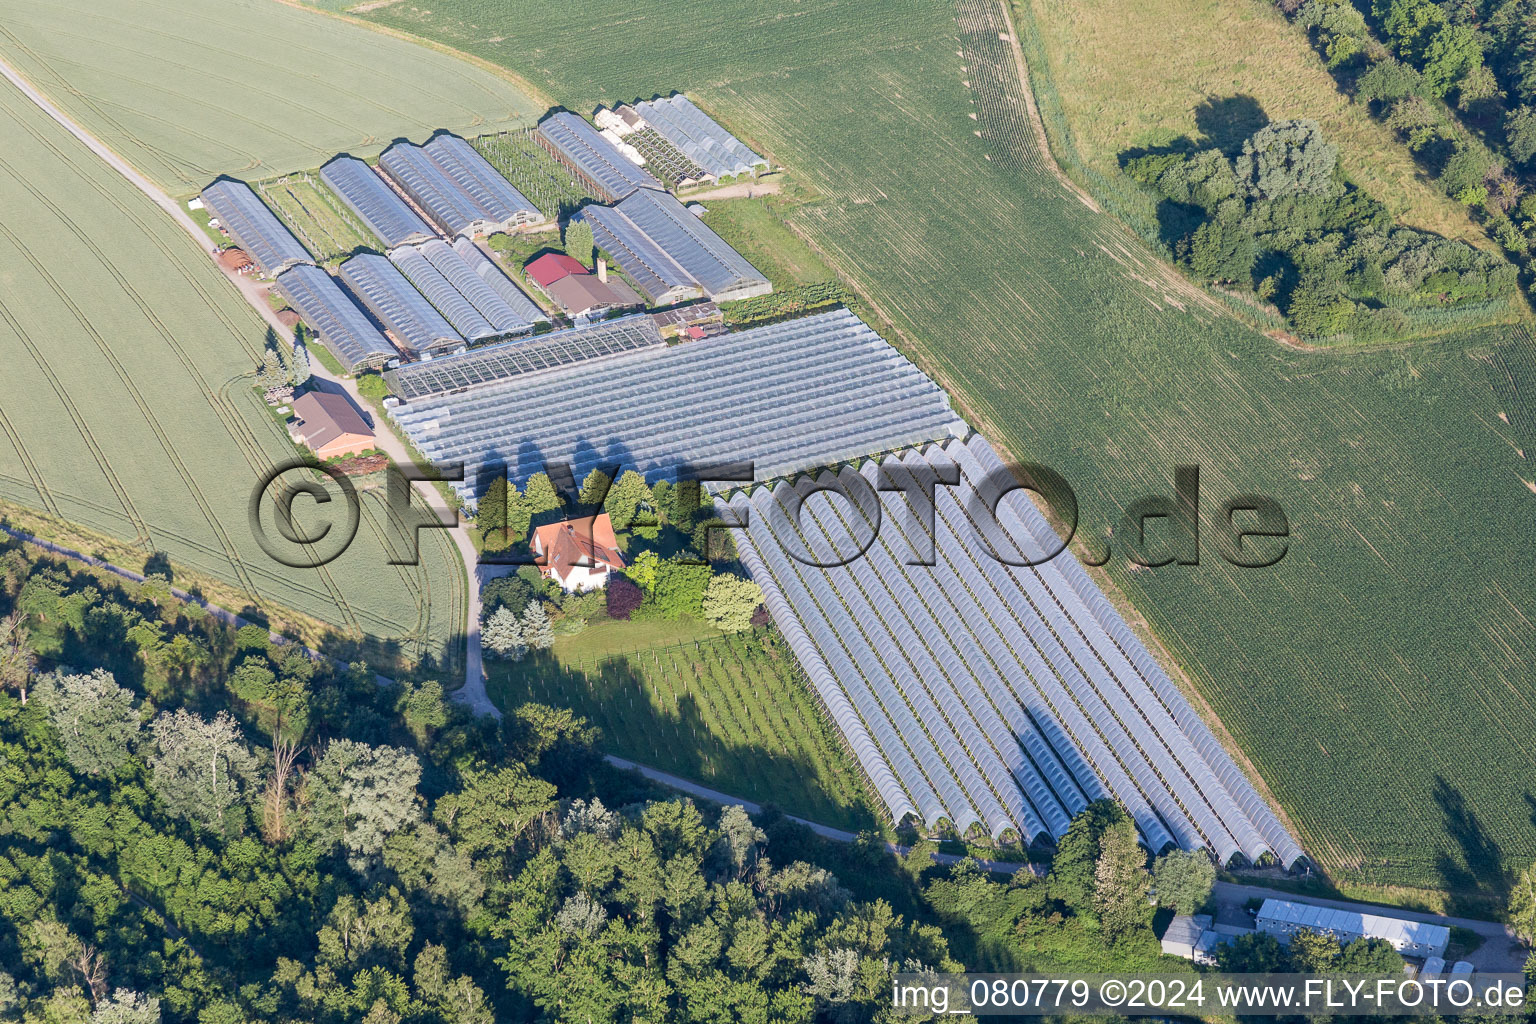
(1283, 919)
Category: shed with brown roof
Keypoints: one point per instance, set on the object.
(331, 425)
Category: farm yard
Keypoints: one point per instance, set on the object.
(314, 213)
(237, 87)
(731, 712)
(121, 341)
(1067, 342)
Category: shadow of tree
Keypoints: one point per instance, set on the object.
(1225, 121)
(1473, 874)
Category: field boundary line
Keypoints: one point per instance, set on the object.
(530, 90)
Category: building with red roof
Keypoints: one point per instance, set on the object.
(551, 267)
(581, 294)
(578, 553)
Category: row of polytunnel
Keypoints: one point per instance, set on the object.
(977, 695)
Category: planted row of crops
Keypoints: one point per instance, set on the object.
(314, 213)
(731, 713)
(536, 174)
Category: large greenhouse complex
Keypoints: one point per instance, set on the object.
(787, 397)
(978, 694)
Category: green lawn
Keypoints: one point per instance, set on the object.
(1379, 677)
(731, 712)
(757, 229)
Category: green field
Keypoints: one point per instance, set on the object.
(189, 91)
(128, 404)
(1396, 632)
(315, 214)
(733, 712)
(756, 228)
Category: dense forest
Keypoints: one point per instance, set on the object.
(1279, 220)
(201, 823)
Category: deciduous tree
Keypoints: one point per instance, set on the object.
(629, 501)
(200, 769)
(359, 795)
(729, 602)
(1121, 881)
(1183, 879)
(542, 496)
(16, 657)
(579, 244)
(1286, 158)
(94, 717)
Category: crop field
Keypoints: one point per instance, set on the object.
(128, 407)
(536, 174)
(188, 91)
(732, 713)
(1396, 632)
(314, 213)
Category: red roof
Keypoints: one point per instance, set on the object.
(587, 542)
(551, 267)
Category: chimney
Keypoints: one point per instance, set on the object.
(602, 270)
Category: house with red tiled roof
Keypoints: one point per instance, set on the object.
(551, 267)
(578, 553)
(581, 294)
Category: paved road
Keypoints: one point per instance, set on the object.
(473, 691)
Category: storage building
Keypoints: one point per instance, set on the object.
(415, 323)
(330, 425)
(592, 158)
(254, 228)
(671, 254)
(342, 326)
(386, 214)
(1283, 918)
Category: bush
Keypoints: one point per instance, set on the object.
(729, 602)
(372, 387)
(623, 595)
(510, 592)
(1387, 81)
